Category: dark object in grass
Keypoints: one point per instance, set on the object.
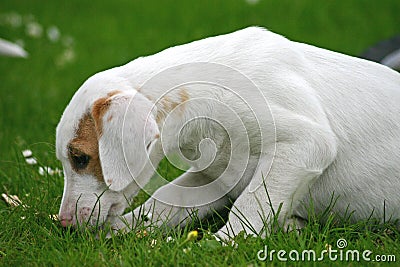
(386, 52)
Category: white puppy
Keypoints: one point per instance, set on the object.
(250, 112)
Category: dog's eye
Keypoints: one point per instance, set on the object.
(80, 162)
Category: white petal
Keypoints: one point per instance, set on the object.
(27, 153)
(34, 29)
(31, 161)
(50, 171)
(53, 33)
(41, 171)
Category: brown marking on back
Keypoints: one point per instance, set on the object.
(164, 108)
(148, 97)
(113, 93)
(86, 142)
(167, 104)
(184, 95)
(159, 117)
(173, 105)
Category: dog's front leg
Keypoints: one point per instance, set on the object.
(176, 204)
(298, 161)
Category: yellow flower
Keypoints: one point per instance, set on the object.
(192, 235)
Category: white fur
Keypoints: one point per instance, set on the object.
(329, 124)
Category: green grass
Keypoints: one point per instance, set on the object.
(34, 92)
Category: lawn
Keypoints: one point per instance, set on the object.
(68, 41)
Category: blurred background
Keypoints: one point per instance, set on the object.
(68, 41)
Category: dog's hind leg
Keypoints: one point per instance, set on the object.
(271, 197)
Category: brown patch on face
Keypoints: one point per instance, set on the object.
(84, 148)
(99, 108)
(84, 144)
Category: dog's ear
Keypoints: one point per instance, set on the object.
(126, 127)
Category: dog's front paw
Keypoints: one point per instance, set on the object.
(228, 232)
(129, 222)
(117, 227)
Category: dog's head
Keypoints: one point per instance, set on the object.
(103, 140)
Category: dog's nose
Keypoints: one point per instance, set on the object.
(65, 220)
